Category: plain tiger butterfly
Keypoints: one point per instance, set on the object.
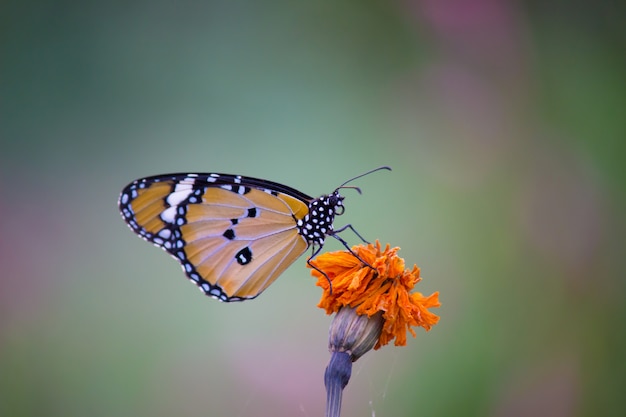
(233, 235)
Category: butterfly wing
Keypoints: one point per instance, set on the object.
(232, 235)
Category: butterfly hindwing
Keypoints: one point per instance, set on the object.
(232, 235)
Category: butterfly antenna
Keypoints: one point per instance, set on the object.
(362, 175)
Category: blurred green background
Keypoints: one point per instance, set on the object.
(503, 122)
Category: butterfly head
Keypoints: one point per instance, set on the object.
(335, 201)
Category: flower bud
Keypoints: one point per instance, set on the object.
(354, 334)
(350, 336)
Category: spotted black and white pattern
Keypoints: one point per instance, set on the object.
(318, 223)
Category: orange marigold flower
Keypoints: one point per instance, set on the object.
(384, 288)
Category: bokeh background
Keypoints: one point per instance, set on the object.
(503, 122)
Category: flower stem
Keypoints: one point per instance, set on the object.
(336, 378)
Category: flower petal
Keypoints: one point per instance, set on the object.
(382, 286)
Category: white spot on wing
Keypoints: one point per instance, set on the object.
(181, 192)
(169, 215)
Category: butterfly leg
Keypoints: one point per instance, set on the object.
(349, 226)
(317, 249)
(345, 244)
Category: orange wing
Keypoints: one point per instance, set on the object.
(232, 235)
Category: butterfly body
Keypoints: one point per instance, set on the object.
(232, 235)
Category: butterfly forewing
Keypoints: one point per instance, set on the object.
(232, 235)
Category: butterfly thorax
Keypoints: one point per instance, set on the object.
(318, 222)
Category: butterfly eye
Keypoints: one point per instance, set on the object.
(335, 201)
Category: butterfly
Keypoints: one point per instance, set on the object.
(232, 235)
